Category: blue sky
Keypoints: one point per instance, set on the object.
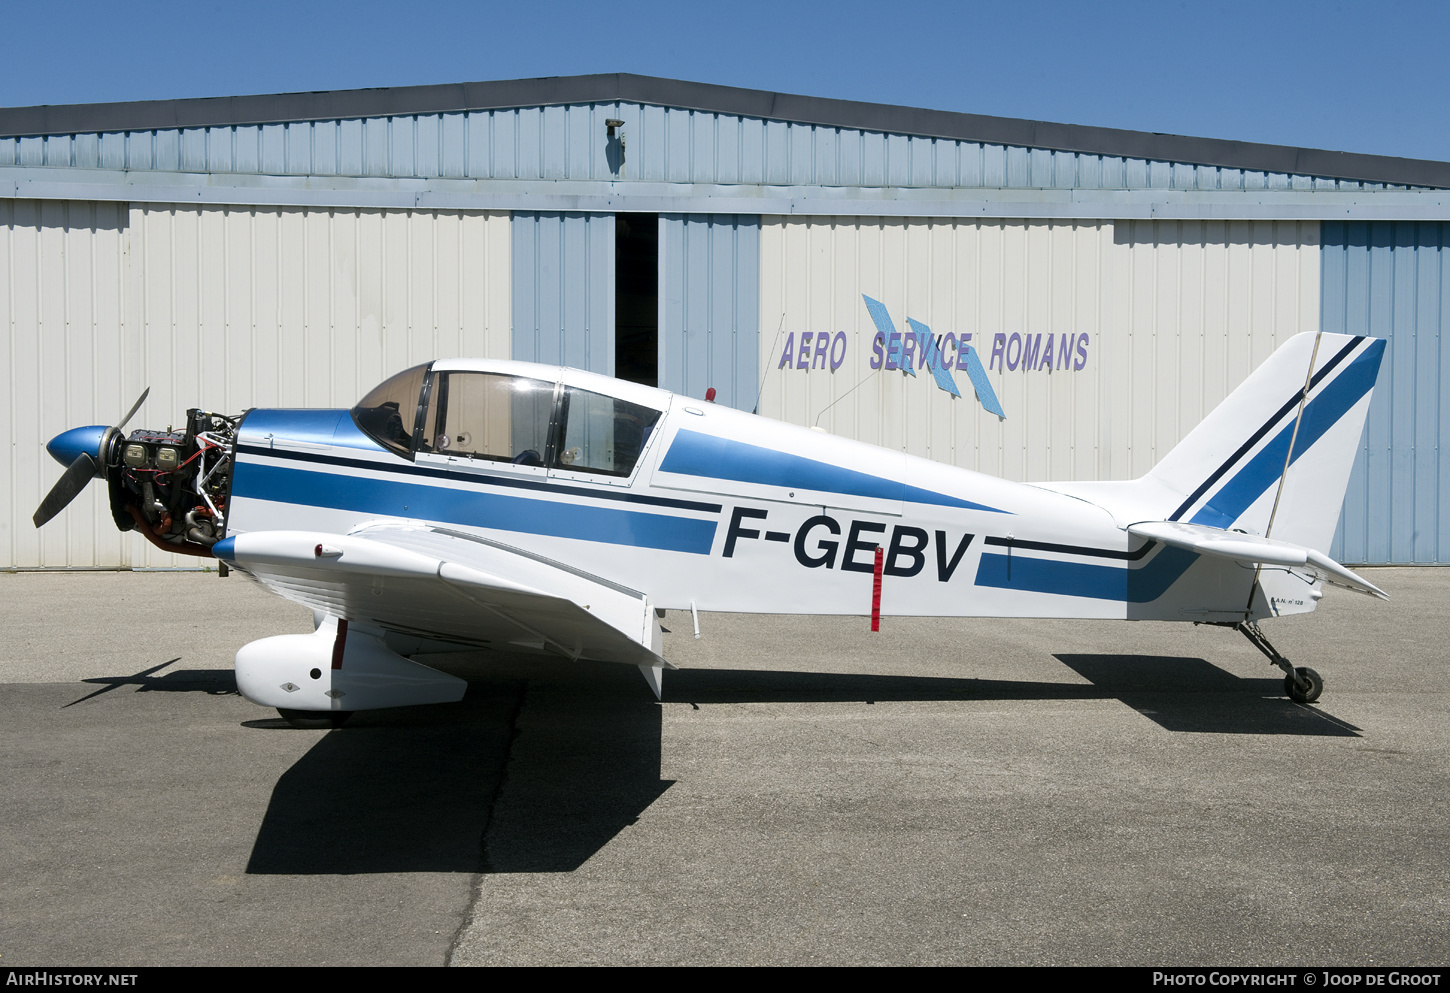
(1353, 76)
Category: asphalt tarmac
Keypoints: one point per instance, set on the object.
(944, 792)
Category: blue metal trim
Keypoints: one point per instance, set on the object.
(308, 426)
(711, 457)
(563, 289)
(471, 508)
(1393, 280)
(709, 306)
(448, 123)
(590, 196)
(349, 435)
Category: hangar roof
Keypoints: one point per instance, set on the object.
(543, 145)
(709, 98)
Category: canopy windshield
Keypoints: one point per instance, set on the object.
(389, 413)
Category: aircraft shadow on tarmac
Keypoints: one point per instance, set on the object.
(1186, 694)
(537, 776)
(1178, 694)
(483, 785)
(217, 682)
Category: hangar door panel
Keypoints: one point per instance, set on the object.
(1391, 280)
(563, 289)
(710, 306)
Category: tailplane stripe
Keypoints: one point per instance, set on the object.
(1268, 426)
(1320, 414)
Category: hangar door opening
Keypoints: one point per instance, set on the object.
(636, 297)
(586, 292)
(669, 300)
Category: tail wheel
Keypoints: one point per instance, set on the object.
(1304, 694)
(318, 719)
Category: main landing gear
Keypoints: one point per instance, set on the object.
(1302, 684)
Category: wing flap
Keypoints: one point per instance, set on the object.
(446, 586)
(1255, 550)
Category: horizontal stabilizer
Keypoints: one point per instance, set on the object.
(1254, 550)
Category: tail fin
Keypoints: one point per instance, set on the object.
(1274, 458)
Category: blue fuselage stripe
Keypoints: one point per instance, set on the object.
(711, 457)
(1081, 579)
(472, 508)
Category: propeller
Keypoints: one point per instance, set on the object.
(86, 465)
(134, 407)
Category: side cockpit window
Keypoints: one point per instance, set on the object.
(496, 417)
(484, 415)
(388, 414)
(602, 434)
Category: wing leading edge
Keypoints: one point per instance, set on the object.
(438, 584)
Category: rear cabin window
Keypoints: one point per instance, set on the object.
(389, 412)
(602, 434)
(484, 415)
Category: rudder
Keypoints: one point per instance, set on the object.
(1311, 396)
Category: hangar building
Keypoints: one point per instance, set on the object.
(294, 250)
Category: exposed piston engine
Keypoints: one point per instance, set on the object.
(171, 486)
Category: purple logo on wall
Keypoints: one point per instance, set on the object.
(893, 350)
(817, 351)
(917, 348)
(1031, 352)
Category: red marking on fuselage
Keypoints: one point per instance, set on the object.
(876, 591)
(339, 644)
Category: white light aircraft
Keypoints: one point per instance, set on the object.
(522, 507)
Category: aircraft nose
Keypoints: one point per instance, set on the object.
(67, 446)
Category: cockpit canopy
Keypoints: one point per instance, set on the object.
(501, 417)
(388, 413)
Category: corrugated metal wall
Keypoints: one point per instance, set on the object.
(710, 306)
(1390, 280)
(1198, 306)
(289, 307)
(63, 364)
(563, 289)
(662, 144)
(1176, 314)
(227, 308)
(232, 308)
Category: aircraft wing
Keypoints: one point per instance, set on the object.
(442, 585)
(1254, 550)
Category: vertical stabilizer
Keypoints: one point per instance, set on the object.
(1274, 458)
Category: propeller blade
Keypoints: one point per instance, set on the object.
(68, 487)
(134, 407)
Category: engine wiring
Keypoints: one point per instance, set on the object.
(182, 505)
